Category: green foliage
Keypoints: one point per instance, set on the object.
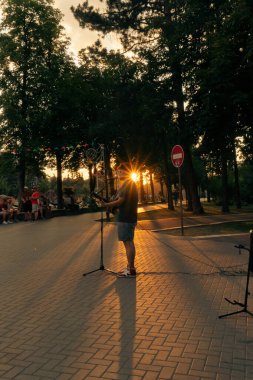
(8, 175)
(246, 185)
(246, 181)
(215, 189)
(78, 185)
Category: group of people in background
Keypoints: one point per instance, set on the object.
(33, 206)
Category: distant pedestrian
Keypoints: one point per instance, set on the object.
(176, 196)
(35, 198)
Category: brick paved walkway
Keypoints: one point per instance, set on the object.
(57, 324)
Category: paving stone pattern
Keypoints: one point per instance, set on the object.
(58, 324)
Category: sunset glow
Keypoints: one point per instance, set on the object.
(134, 176)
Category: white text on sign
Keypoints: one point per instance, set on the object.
(177, 156)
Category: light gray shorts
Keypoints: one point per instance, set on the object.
(126, 231)
(35, 207)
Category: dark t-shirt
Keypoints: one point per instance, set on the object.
(128, 209)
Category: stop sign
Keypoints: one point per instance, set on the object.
(177, 156)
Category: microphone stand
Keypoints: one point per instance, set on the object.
(250, 269)
(101, 267)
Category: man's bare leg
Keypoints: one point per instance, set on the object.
(130, 253)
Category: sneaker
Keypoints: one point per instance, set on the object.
(127, 273)
(4, 222)
(10, 222)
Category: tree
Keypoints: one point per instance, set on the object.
(63, 125)
(221, 100)
(30, 35)
(130, 115)
(153, 31)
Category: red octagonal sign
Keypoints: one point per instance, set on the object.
(177, 156)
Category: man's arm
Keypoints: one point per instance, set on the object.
(117, 202)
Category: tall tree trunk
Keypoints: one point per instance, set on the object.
(188, 199)
(168, 182)
(224, 175)
(91, 179)
(21, 175)
(106, 164)
(177, 82)
(107, 171)
(59, 179)
(169, 189)
(109, 186)
(111, 182)
(237, 184)
(152, 186)
(142, 192)
(194, 200)
(161, 185)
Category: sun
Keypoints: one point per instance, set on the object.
(134, 176)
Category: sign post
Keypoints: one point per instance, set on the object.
(177, 159)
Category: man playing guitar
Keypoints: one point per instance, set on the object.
(126, 200)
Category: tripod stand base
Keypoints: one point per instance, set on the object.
(244, 310)
(100, 268)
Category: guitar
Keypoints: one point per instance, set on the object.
(113, 210)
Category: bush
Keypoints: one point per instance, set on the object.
(246, 183)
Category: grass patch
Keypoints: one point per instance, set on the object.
(162, 213)
(214, 229)
(213, 209)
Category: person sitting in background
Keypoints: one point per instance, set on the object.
(4, 209)
(27, 204)
(12, 203)
(12, 210)
(46, 209)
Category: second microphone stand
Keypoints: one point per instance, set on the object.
(250, 268)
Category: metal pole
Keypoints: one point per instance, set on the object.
(102, 240)
(180, 199)
(102, 215)
(251, 252)
(249, 269)
(105, 179)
